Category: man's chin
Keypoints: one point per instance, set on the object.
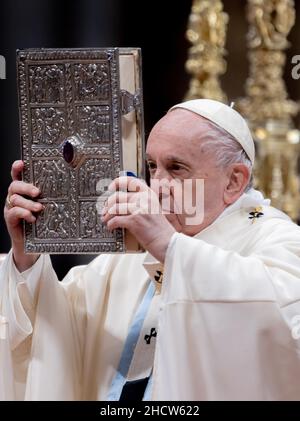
(178, 222)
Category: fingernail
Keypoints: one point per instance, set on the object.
(34, 190)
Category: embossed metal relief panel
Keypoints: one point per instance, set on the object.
(70, 94)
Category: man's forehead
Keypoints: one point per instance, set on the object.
(167, 157)
(168, 151)
(180, 124)
(181, 133)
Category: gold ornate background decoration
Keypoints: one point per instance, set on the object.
(267, 107)
(207, 33)
(270, 22)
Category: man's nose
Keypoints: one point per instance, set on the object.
(160, 174)
(160, 183)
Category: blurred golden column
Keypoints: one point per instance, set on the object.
(207, 33)
(267, 107)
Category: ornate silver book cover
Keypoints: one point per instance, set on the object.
(81, 122)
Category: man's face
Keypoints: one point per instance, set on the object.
(175, 152)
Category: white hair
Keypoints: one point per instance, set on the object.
(225, 148)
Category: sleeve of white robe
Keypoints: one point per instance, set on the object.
(23, 295)
(17, 310)
(225, 330)
(19, 293)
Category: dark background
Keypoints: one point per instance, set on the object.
(158, 27)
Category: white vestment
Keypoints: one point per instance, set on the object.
(228, 325)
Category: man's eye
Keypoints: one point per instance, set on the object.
(176, 167)
(151, 166)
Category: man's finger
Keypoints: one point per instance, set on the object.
(16, 170)
(19, 201)
(130, 184)
(15, 214)
(119, 209)
(118, 222)
(118, 197)
(19, 187)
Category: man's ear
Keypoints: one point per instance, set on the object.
(238, 176)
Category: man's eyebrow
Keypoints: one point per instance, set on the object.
(168, 158)
(174, 158)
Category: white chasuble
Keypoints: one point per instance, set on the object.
(227, 319)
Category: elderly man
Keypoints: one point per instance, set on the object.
(211, 312)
